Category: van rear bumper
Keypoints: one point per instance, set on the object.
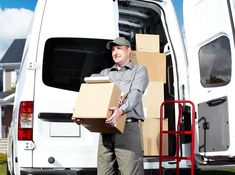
(58, 172)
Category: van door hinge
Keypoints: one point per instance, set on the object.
(29, 145)
(33, 66)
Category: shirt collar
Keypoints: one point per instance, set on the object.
(129, 65)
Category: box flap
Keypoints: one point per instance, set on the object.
(99, 79)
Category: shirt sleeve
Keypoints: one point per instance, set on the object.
(137, 89)
(133, 98)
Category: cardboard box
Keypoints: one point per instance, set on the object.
(147, 42)
(151, 136)
(92, 107)
(154, 62)
(152, 99)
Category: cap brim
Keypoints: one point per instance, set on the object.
(109, 45)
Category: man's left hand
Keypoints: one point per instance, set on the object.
(112, 120)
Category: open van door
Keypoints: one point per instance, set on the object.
(73, 36)
(209, 37)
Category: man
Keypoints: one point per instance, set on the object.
(123, 152)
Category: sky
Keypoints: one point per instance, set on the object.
(178, 5)
(16, 16)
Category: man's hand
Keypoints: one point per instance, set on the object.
(121, 99)
(76, 120)
(112, 120)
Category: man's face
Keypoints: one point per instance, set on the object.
(120, 55)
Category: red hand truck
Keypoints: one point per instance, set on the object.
(178, 132)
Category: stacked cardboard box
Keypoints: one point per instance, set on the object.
(147, 53)
(93, 108)
(147, 42)
(152, 99)
(151, 137)
(154, 62)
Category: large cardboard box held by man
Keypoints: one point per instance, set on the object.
(92, 107)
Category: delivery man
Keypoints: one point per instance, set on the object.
(123, 152)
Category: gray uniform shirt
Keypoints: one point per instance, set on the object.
(132, 80)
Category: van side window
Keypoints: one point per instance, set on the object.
(215, 63)
(67, 61)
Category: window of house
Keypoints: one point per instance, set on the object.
(13, 78)
(67, 61)
(215, 63)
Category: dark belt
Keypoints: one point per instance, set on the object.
(130, 120)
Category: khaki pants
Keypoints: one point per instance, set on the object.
(121, 152)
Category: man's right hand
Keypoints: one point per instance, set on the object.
(76, 120)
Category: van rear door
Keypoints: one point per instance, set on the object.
(209, 36)
(72, 43)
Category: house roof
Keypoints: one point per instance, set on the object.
(14, 53)
(4, 94)
(6, 97)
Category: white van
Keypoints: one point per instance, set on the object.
(67, 42)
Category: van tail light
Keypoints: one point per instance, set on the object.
(25, 121)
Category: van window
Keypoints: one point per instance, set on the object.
(215, 63)
(67, 61)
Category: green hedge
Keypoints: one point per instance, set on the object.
(3, 158)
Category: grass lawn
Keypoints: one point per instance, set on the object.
(2, 169)
(215, 172)
(219, 172)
